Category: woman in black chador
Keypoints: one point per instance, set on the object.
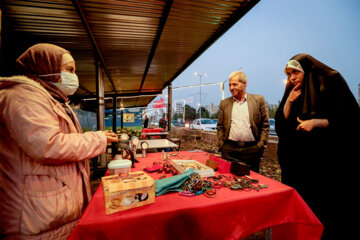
(318, 125)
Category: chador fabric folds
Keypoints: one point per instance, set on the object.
(312, 162)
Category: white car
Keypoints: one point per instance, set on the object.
(204, 124)
(272, 126)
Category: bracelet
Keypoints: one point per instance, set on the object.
(186, 193)
(210, 193)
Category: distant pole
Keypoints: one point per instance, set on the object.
(200, 95)
(184, 113)
(200, 76)
(222, 90)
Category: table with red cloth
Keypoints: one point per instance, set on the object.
(230, 215)
(152, 130)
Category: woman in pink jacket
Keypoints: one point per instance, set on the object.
(44, 167)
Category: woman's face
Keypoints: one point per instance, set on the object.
(295, 76)
(68, 67)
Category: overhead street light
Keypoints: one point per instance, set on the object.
(200, 76)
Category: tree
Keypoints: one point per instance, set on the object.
(215, 115)
(204, 113)
(272, 108)
(190, 113)
(177, 116)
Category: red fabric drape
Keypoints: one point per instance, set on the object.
(231, 215)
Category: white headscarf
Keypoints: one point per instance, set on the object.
(293, 64)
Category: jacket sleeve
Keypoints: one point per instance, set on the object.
(34, 125)
(220, 126)
(265, 125)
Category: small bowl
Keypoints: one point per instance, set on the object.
(117, 167)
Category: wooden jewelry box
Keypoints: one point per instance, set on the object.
(127, 191)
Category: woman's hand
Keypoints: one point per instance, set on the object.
(110, 136)
(306, 125)
(294, 94)
(309, 125)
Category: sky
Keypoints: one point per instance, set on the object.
(263, 40)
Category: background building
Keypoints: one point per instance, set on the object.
(212, 108)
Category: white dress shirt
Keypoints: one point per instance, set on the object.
(240, 122)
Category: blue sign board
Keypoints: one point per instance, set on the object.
(132, 118)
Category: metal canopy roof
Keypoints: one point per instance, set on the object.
(142, 45)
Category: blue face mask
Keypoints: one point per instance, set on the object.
(69, 82)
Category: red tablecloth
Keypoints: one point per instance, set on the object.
(231, 215)
(151, 130)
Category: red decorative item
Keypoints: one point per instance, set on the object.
(223, 165)
(155, 167)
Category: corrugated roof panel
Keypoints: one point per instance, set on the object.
(126, 42)
(189, 25)
(143, 44)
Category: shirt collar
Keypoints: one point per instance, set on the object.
(244, 100)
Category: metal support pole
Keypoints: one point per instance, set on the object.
(169, 113)
(122, 118)
(114, 118)
(101, 107)
(114, 115)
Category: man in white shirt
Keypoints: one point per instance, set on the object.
(243, 127)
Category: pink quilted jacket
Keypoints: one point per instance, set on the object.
(44, 171)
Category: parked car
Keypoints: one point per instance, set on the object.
(272, 126)
(215, 121)
(204, 124)
(176, 123)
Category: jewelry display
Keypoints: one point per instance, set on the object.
(195, 185)
(182, 165)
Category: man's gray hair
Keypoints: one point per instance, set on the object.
(239, 74)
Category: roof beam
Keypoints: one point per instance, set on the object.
(145, 94)
(85, 89)
(162, 23)
(236, 16)
(136, 94)
(86, 25)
